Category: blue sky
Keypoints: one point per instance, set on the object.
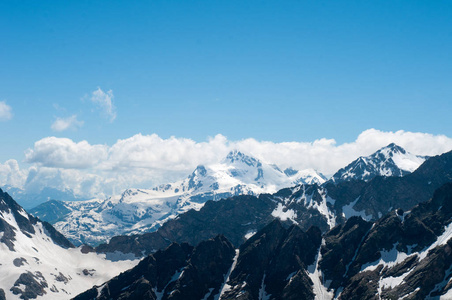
(272, 71)
(297, 70)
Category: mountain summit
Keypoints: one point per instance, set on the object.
(391, 160)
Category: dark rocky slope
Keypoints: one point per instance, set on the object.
(402, 255)
(272, 263)
(272, 260)
(178, 272)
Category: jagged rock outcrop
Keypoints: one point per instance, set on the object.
(271, 263)
(178, 272)
(339, 249)
(29, 285)
(406, 254)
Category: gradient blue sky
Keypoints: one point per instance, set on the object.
(270, 70)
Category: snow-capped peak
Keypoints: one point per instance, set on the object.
(237, 157)
(391, 160)
(309, 176)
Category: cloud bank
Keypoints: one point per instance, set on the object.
(144, 161)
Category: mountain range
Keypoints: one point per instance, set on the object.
(29, 200)
(357, 238)
(403, 255)
(324, 206)
(144, 210)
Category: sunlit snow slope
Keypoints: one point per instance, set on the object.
(38, 262)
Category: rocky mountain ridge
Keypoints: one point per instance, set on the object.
(305, 205)
(404, 254)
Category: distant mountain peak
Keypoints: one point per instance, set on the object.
(392, 149)
(391, 160)
(199, 171)
(237, 156)
(290, 171)
(393, 146)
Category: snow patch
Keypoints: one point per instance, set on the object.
(348, 211)
(250, 234)
(320, 289)
(441, 240)
(283, 213)
(225, 286)
(262, 293)
(388, 259)
(208, 294)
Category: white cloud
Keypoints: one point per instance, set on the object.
(143, 161)
(11, 174)
(62, 124)
(64, 153)
(104, 100)
(153, 152)
(327, 157)
(6, 113)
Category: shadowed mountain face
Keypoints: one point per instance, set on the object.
(213, 270)
(272, 263)
(178, 272)
(402, 255)
(305, 205)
